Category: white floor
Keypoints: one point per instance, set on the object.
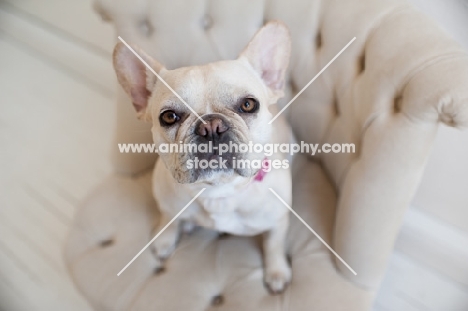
(57, 87)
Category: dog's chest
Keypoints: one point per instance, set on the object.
(236, 215)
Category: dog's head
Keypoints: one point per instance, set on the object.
(231, 97)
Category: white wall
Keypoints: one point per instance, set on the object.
(444, 189)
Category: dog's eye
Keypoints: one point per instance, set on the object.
(168, 117)
(249, 105)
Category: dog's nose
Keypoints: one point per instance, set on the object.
(215, 126)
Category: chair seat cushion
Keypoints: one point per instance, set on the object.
(208, 271)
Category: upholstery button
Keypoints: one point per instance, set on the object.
(146, 28)
(207, 22)
(362, 63)
(397, 103)
(223, 235)
(159, 270)
(318, 40)
(336, 107)
(293, 87)
(217, 300)
(106, 243)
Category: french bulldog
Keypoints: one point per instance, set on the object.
(235, 100)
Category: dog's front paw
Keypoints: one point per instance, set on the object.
(277, 278)
(188, 227)
(164, 245)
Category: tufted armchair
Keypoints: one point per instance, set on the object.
(387, 94)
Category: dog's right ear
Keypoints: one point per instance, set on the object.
(268, 53)
(137, 80)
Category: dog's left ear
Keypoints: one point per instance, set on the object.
(268, 53)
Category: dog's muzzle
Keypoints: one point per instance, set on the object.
(216, 131)
(215, 128)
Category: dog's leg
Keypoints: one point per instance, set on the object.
(188, 226)
(277, 270)
(165, 243)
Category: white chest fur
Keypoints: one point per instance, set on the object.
(240, 207)
(246, 212)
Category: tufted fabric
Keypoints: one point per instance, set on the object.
(386, 94)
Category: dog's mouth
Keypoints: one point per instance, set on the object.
(216, 156)
(214, 167)
(207, 167)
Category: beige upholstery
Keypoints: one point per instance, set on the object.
(387, 94)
